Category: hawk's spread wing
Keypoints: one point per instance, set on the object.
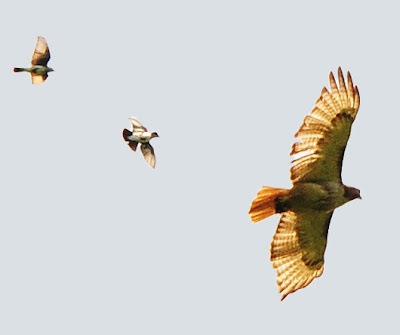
(42, 54)
(298, 247)
(325, 132)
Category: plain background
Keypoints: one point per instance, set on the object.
(94, 241)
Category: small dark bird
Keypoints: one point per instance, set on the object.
(40, 57)
(298, 247)
(139, 134)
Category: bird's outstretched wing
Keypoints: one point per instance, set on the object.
(325, 132)
(298, 247)
(42, 54)
(136, 125)
(148, 153)
(38, 78)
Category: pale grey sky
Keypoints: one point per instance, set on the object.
(94, 241)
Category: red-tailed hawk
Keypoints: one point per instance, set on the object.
(40, 58)
(298, 247)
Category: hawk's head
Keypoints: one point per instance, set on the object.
(351, 193)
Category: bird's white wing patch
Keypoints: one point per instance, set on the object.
(136, 124)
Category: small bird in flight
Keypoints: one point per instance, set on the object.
(139, 134)
(40, 57)
(298, 247)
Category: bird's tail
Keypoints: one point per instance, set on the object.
(264, 205)
(19, 69)
(126, 133)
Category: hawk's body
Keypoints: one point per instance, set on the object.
(298, 247)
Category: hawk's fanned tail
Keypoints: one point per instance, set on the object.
(263, 205)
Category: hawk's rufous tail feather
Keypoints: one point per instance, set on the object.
(263, 205)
